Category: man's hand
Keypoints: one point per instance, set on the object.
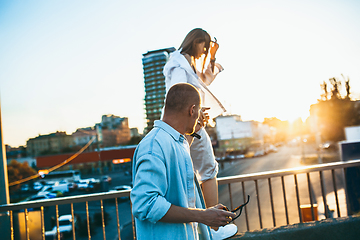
(212, 217)
(216, 216)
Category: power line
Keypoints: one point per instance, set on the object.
(56, 166)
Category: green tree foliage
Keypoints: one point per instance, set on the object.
(18, 171)
(335, 112)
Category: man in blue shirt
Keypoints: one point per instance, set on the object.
(166, 201)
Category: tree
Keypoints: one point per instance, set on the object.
(18, 171)
(336, 112)
(347, 86)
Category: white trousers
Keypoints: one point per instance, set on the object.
(202, 154)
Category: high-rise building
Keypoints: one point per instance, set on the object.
(153, 64)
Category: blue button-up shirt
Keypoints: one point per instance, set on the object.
(162, 175)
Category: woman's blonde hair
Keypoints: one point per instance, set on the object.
(194, 37)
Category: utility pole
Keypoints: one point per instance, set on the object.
(98, 138)
(4, 188)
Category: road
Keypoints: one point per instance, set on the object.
(288, 156)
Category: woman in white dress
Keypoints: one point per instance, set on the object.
(181, 67)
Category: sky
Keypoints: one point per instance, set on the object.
(64, 64)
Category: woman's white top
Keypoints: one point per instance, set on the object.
(178, 70)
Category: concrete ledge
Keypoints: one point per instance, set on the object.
(334, 228)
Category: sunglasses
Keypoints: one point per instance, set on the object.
(214, 41)
(237, 209)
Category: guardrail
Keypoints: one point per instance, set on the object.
(336, 181)
(10, 209)
(229, 181)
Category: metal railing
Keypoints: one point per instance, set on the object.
(12, 209)
(237, 186)
(304, 191)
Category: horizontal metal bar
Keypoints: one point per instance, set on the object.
(64, 200)
(222, 180)
(290, 171)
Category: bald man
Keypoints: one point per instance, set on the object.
(167, 201)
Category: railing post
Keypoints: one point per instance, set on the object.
(272, 202)
(298, 197)
(311, 196)
(246, 211)
(4, 188)
(285, 202)
(258, 202)
(323, 192)
(335, 192)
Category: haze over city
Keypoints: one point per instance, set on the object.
(63, 64)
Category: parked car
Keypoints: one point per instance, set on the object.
(106, 179)
(35, 198)
(72, 186)
(329, 146)
(24, 188)
(65, 226)
(38, 197)
(82, 185)
(53, 190)
(259, 153)
(37, 186)
(93, 180)
(48, 194)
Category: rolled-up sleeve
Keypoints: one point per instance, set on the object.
(150, 185)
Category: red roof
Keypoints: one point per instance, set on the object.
(85, 157)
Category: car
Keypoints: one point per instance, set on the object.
(72, 186)
(65, 226)
(38, 197)
(55, 193)
(121, 188)
(259, 153)
(62, 187)
(35, 198)
(24, 188)
(37, 186)
(82, 185)
(87, 184)
(93, 180)
(50, 192)
(106, 179)
(92, 186)
(329, 146)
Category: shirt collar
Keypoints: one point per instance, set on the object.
(170, 130)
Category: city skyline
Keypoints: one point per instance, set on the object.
(65, 64)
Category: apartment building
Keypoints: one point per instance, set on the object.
(52, 143)
(153, 64)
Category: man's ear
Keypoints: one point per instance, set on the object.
(192, 110)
